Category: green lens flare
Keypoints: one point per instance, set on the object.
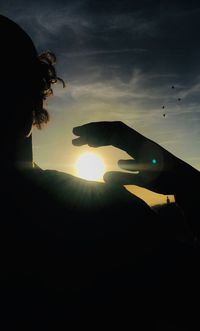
(154, 161)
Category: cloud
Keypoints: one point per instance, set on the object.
(120, 60)
(118, 36)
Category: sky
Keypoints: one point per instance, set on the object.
(120, 60)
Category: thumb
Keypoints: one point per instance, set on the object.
(124, 178)
(136, 166)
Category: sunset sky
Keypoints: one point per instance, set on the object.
(121, 60)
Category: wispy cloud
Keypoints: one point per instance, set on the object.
(121, 62)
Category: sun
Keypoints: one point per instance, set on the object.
(90, 166)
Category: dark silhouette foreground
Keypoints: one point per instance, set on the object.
(177, 259)
(77, 253)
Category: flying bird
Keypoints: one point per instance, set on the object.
(163, 107)
(164, 115)
(173, 86)
(179, 99)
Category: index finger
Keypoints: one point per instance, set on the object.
(96, 134)
(114, 133)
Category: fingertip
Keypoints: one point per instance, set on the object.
(129, 165)
(76, 142)
(125, 165)
(120, 162)
(75, 130)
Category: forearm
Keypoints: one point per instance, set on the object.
(187, 195)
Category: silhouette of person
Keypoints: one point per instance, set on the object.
(69, 252)
(72, 251)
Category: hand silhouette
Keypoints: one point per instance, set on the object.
(152, 166)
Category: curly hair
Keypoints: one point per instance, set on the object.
(47, 77)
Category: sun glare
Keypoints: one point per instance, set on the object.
(90, 166)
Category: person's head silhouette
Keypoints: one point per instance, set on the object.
(26, 79)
